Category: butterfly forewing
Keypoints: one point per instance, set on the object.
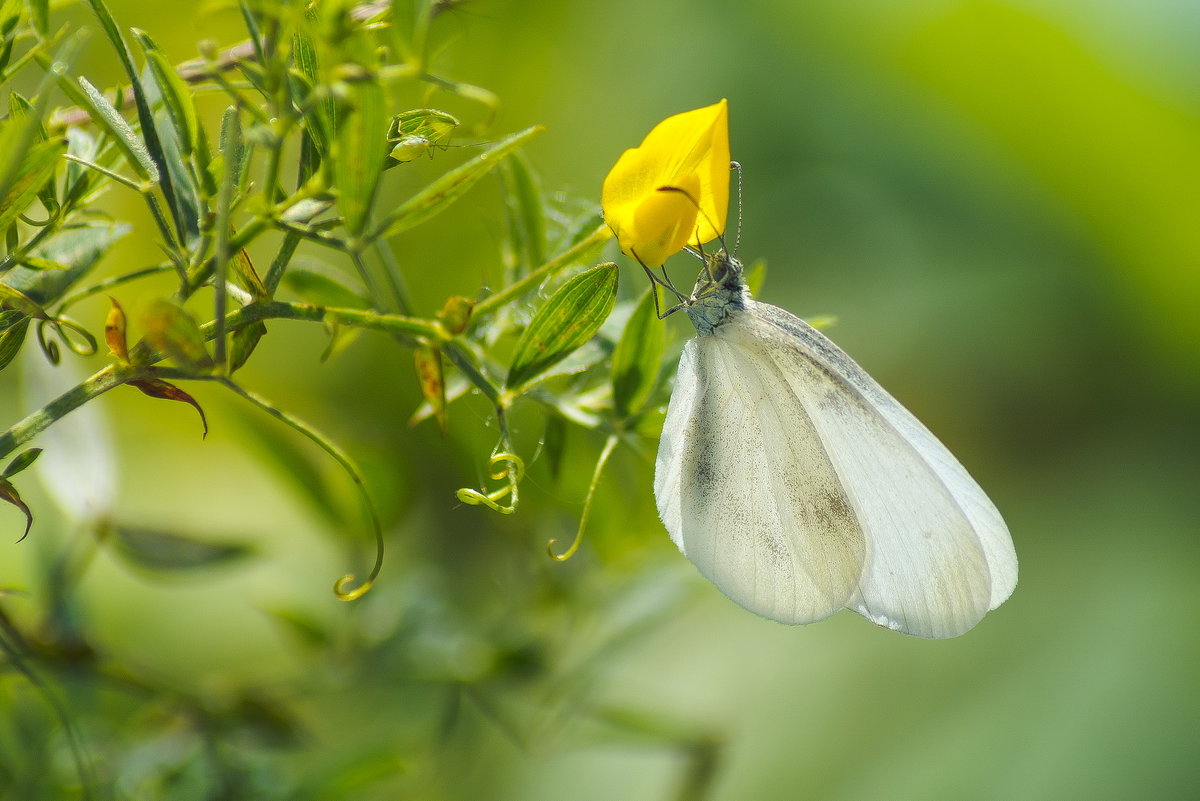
(760, 514)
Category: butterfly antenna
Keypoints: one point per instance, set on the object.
(737, 237)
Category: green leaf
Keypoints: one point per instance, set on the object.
(152, 145)
(10, 15)
(175, 94)
(172, 331)
(636, 360)
(36, 169)
(21, 461)
(78, 249)
(243, 342)
(565, 322)
(359, 152)
(437, 196)
(11, 339)
(321, 289)
(21, 109)
(39, 264)
(107, 117)
(241, 270)
(526, 209)
(39, 10)
(318, 117)
(232, 145)
(15, 299)
(164, 551)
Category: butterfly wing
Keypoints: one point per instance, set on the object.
(747, 490)
(938, 555)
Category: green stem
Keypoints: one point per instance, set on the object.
(109, 283)
(488, 305)
(357, 318)
(65, 403)
(142, 355)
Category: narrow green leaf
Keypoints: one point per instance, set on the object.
(526, 209)
(565, 322)
(21, 109)
(78, 249)
(21, 462)
(243, 342)
(319, 117)
(636, 360)
(15, 299)
(437, 196)
(11, 339)
(205, 165)
(232, 143)
(172, 331)
(36, 170)
(107, 117)
(242, 272)
(165, 551)
(174, 92)
(10, 15)
(39, 10)
(39, 264)
(359, 152)
(321, 289)
(146, 119)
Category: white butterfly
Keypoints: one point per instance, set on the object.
(799, 487)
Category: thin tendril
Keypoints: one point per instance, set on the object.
(513, 470)
(87, 344)
(339, 586)
(609, 445)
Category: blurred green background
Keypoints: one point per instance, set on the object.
(1000, 202)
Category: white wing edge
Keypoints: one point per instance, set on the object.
(993, 536)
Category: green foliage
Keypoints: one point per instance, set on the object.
(311, 140)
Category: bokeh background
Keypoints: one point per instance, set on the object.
(999, 201)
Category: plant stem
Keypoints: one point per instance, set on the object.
(58, 408)
(488, 305)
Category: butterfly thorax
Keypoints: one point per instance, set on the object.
(720, 290)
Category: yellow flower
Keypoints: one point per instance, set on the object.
(689, 152)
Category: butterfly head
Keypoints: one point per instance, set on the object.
(719, 289)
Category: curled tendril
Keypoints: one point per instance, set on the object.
(85, 346)
(339, 586)
(347, 464)
(609, 444)
(502, 466)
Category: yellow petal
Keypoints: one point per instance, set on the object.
(689, 152)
